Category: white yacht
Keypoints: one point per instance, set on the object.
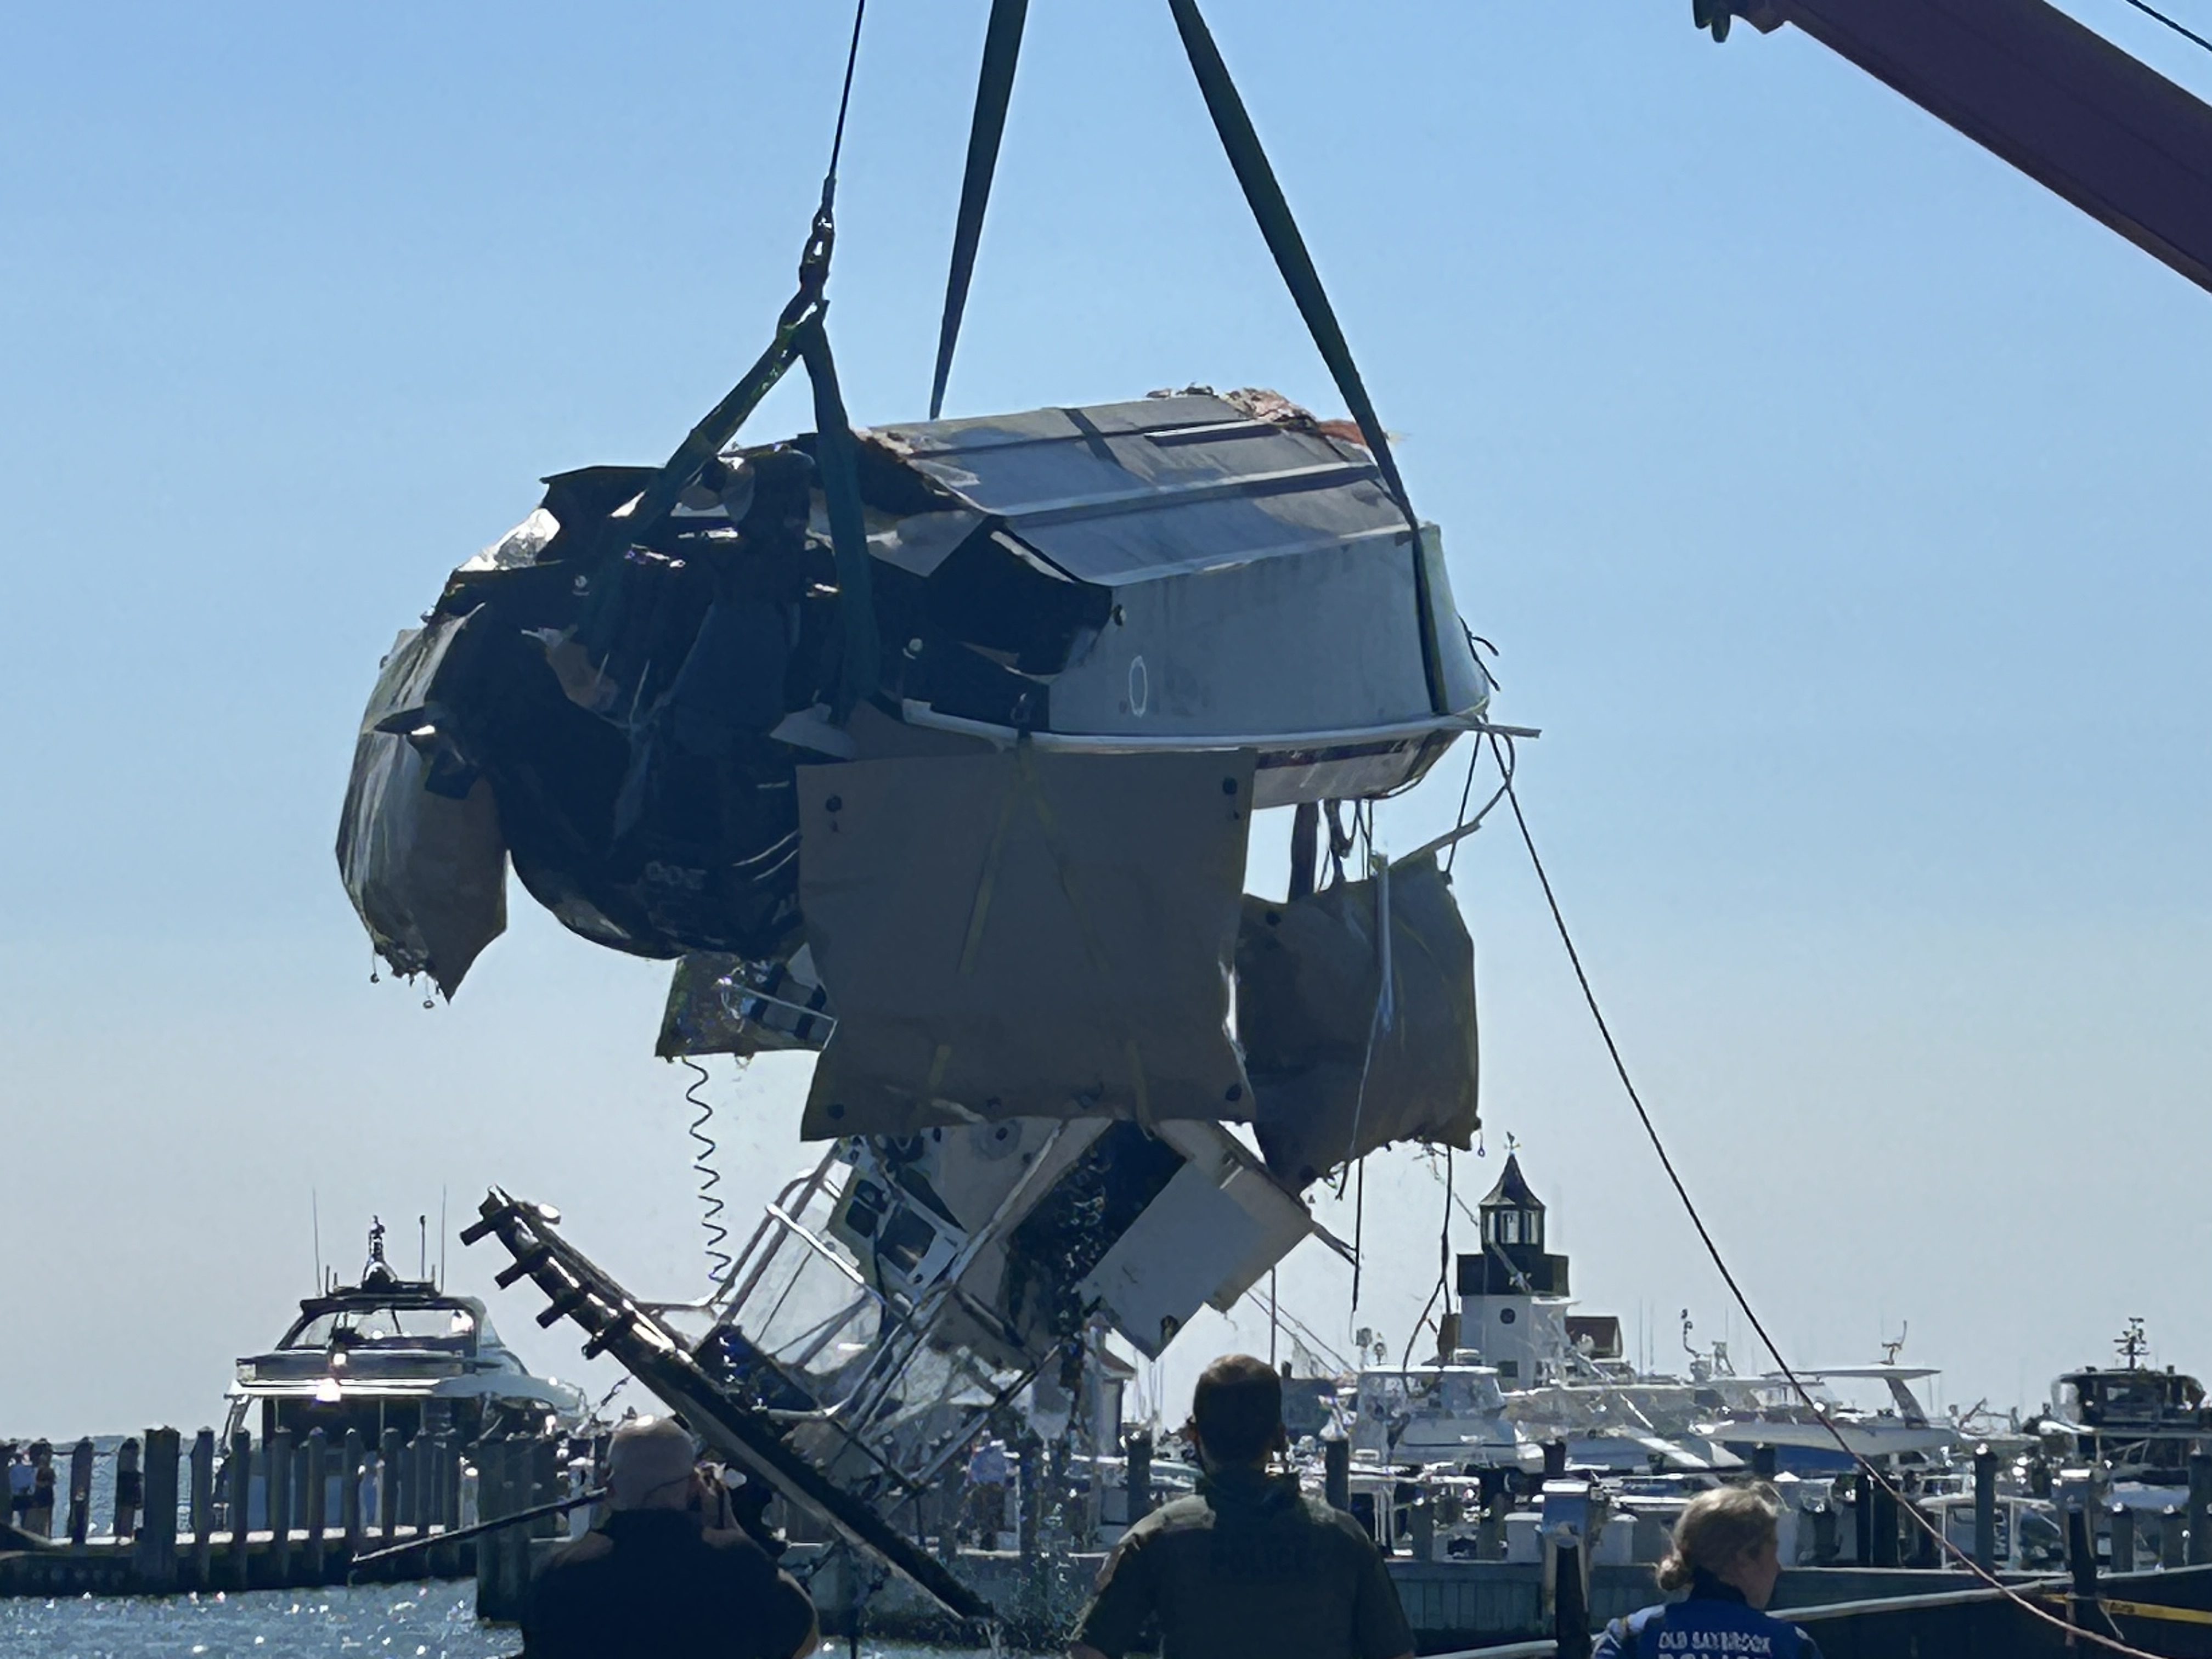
(394, 1354)
(1803, 1439)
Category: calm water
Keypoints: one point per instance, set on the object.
(389, 1621)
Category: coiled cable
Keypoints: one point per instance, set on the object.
(710, 1202)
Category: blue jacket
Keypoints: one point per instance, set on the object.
(1714, 1619)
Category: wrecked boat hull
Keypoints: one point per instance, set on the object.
(959, 793)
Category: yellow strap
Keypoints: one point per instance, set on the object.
(2152, 1610)
(2136, 1609)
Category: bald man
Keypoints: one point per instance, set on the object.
(653, 1579)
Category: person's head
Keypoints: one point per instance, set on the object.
(1731, 1533)
(1236, 1413)
(652, 1464)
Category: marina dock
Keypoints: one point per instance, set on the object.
(309, 1514)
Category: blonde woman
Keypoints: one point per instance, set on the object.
(1727, 1554)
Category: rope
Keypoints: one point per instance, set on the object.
(1720, 1263)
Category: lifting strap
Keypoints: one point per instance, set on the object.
(1270, 209)
(800, 335)
(1002, 46)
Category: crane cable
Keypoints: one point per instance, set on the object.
(2183, 30)
(1728, 1276)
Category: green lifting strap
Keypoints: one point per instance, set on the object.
(1272, 211)
(1264, 195)
(837, 459)
(1002, 45)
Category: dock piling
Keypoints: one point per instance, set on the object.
(349, 1474)
(441, 1499)
(1424, 1530)
(156, 1558)
(2122, 1521)
(80, 1491)
(2200, 1509)
(387, 1485)
(2173, 1540)
(276, 1480)
(1137, 1449)
(130, 1481)
(203, 1499)
(1569, 1603)
(239, 1468)
(1336, 1472)
(316, 1477)
(1985, 1508)
(1884, 1520)
(2082, 1559)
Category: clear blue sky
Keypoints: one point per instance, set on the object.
(1837, 498)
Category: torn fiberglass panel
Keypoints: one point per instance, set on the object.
(1024, 934)
(419, 847)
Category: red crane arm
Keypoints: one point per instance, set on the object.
(2056, 99)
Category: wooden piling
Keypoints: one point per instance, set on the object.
(1863, 1516)
(387, 1485)
(80, 1492)
(239, 1469)
(1490, 1530)
(2200, 1509)
(316, 1478)
(156, 1558)
(1763, 1461)
(412, 1482)
(1826, 1545)
(1569, 1604)
(495, 1470)
(2173, 1537)
(276, 1455)
(1336, 1472)
(544, 1485)
(349, 1474)
(2082, 1559)
(130, 1490)
(2122, 1523)
(1985, 1509)
(1137, 1449)
(1886, 1522)
(203, 1499)
(441, 1500)
(1424, 1527)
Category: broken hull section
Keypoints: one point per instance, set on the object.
(1003, 883)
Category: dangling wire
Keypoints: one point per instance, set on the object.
(709, 1177)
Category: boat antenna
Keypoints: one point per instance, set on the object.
(441, 1237)
(421, 1245)
(315, 1220)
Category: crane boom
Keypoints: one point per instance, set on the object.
(2055, 99)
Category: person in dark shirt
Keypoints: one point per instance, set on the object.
(1727, 1555)
(654, 1580)
(1247, 1567)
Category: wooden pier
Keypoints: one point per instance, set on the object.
(276, 1515)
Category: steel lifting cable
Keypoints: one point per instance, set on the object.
(1727, 1278)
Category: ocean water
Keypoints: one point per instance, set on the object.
(385, 1621)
